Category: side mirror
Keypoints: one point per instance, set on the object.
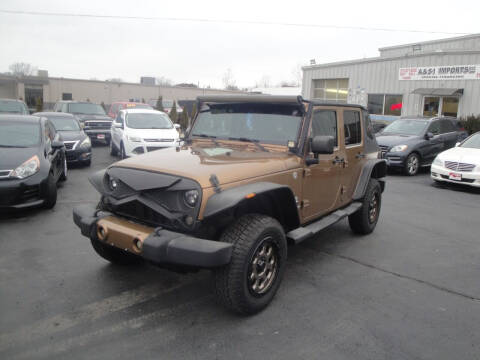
(176, 126)
(82, 126)
(429, 136)
(458, 143)
(57, 144)
(118, 125)
(322, 145)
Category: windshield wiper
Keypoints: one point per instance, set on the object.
(212, 137)
(254, 141)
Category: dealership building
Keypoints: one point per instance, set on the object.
(440, 77)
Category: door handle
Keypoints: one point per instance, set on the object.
(360, 156)
(338, 160)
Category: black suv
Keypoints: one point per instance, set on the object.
(409, 143)
(95, 120)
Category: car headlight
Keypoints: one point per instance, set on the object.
(134, 138)
(399, 148)
(86, 143)
(28, 168)
(437, 162)
(191, 197)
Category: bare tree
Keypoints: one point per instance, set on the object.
(264, 82)
(163, 81)
(22, 69)
(228, 80)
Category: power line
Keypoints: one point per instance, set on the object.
(205, 20)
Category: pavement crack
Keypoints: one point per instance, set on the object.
(402, 276)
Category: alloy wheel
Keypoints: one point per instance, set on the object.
(373, 206)
(263, 266)
(412, 164)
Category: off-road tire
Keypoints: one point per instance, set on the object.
(64, 175)
(361, 221)
(122, 152)
(412, 164)
(248, 235)
(113, 149)
(114, 255)
(51, 195)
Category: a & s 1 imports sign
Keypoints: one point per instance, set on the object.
(447, 72)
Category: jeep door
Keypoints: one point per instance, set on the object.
(321, 185)
(354, 152)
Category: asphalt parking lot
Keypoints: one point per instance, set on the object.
(410, 290)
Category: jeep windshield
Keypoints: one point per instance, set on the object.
(265, 123)
(86, 109)
(406, 127)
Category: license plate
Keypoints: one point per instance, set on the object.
(455, 176)
(100, 136)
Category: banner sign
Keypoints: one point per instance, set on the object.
(447, 72)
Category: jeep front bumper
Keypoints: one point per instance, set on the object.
(159, 246)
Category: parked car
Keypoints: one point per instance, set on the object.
(78, 146)
(120, 105)
(138, 131)
(255, 172)
(93, 117)
(167, 105)
(410, 143)
(460, 164)
(32, 161)
(12, 106)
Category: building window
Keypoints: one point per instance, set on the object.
(67, 96)
(435, 105)
(335, 90)
(385, 104)
(352, 127)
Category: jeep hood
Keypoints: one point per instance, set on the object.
(229, 163)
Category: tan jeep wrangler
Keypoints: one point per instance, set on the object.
(254, 173)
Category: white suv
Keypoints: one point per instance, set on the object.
(138, 131)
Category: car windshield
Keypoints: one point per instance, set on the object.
(64, 123)
(137, 106)
(267, 123)
(86, 108)
(12, 107)
(473, 142)
(18, 134)
(148, 121)
(406, 127)
(167, 103)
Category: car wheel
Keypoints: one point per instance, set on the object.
(114, 255)
(107, 141)
(248, 284)
(51, 196)
(412, 164)
(122, 151)
(63, 177)
(87, 162)
(365, 219)
(113, 149)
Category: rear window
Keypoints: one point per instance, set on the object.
(13, 107)
(85, 108)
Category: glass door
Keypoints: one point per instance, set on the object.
(431, 105)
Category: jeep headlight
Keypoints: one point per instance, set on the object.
(28, 168)
(134, 138)
(191, 197)
(438, 162)
(399, 148)
(86, 143)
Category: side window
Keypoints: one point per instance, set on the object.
(51, 130)
(46, 133)
(352, 126)
(446, 126)
(434, 128)
(324, 122)
(368, 123)
(119, 118)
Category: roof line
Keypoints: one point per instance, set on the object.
(469, 36)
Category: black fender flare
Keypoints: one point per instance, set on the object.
(376, 168)
(229, 199)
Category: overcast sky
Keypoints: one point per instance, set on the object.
(201, 52)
